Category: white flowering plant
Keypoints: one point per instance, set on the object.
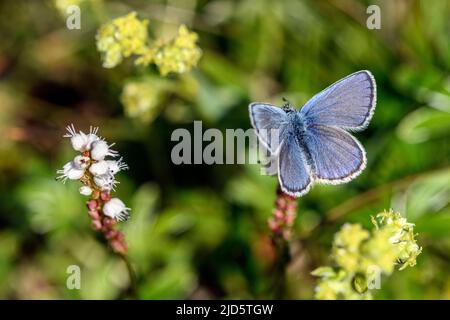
(96, 167)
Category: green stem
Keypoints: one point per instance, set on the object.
(132, 289)
(282, 260)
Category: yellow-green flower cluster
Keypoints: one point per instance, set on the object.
(338, 284)
(126, 36)
(141, 99)
(360, 255)
(402, 237)
(178, 55)
(122, 38)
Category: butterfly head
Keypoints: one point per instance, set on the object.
(287, 107)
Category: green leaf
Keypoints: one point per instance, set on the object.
(424, 124)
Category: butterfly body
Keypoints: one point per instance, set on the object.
(313, 145)
(296, 124)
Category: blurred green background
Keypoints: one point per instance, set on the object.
(200, 231)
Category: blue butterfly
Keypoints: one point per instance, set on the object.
(314, 145)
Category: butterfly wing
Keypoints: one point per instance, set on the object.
(336, 156)
(348, 103)
(293, 172)
(267, 121)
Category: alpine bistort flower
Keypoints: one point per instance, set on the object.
(106, 182)
(116, 166)
(70, 171)
(85, 191)
(99, 168)
(81, 141)
(100, 149)
(97, 173)
(116, 209)
(81, 162)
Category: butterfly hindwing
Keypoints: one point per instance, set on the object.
(349, 103)
(293, 172)
(336, 155)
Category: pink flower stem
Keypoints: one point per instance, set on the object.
(115, 238)
(280, 224)
(106, 225)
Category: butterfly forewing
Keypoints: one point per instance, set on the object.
(269, 122)
(348, 103)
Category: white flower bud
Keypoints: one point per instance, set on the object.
(116, 166)
(75, 174)
(91, 137)
(70, 171)
(79, 141)
(80, 162)
(100, 150)
(89, 140)
(85, 191)
(116, 209)
(67, 167)
(105, 182)
(99, 168)
(101, 181)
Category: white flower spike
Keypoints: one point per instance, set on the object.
(116, 209)
(92, 168)
(96, 172)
